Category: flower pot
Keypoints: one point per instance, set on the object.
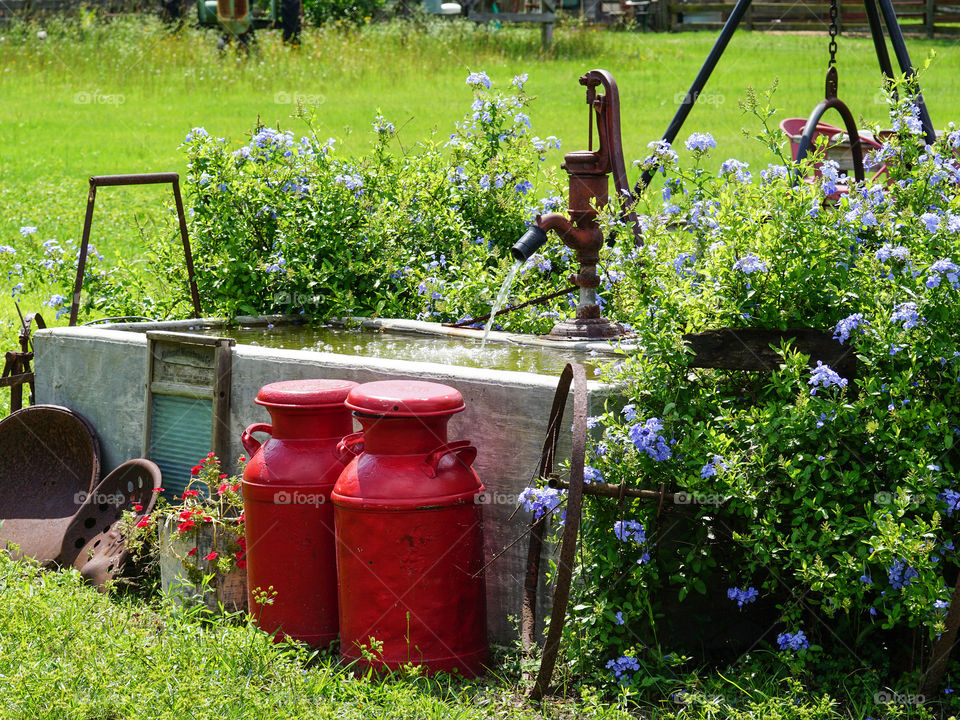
(182, 571)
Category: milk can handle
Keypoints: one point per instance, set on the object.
(350, 446)
(249, 442)
(464, 451)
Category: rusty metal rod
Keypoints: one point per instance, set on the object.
(504, 311)
(602, 489)
(124, 180)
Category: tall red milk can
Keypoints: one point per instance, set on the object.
(410, 533)
(291, 557)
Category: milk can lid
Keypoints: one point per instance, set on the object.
(305, 393)
(405, 398)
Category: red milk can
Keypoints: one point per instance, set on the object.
(287, 510)
(410, 533)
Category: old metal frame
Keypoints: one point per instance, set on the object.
(879, 42)
(124, 180)
(16, 365)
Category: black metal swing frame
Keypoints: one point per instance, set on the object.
(874, 9)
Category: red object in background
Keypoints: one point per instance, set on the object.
(410, 533)
(286, 504)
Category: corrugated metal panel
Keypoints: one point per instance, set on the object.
(179, 437)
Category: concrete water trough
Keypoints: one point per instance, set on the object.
(172, 391)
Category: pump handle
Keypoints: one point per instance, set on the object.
(249, 442)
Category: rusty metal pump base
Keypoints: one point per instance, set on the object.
(586, 329)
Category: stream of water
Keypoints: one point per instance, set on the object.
(501, 300)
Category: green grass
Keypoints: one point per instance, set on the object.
(68, 652)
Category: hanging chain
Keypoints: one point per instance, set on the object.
(834, 12)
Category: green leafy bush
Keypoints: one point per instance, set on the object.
(285, 225)
(815, 512)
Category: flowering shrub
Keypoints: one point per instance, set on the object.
(283, 224)
(818, 510)
(210, 500)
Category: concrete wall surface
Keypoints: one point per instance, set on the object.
(102, 375)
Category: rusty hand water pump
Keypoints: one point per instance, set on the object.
(589, 172)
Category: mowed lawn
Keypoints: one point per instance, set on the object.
(116, 98)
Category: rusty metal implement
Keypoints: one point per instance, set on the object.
(94, 542)
(138, 179)
(51, 462)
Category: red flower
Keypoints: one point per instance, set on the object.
(192, 552)
(242, 458)
(211, 455)
(241, 518)
(235, 487)
(190, 493)
(207, 518)
(223, 489)
(211, 556)
(195, 470)
(158, 490)
(137, 508)
(185, 515)
(223, 475)
(144, 521)
(241, 564)
(239, 554)
(186, 525)
(242, 541)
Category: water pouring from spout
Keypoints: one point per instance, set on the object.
(501, 299)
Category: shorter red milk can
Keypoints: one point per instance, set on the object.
(410, 533)
(291, 560)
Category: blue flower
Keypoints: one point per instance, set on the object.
(478, 79)
(682, 260)
(906, 313)
(619, 668)
(277, 265)
(888, 251)
(629, 531)
(54, 301)
(620, 620)
(630, 412)
(737, 169)
(6, 249)
(866, 579)
(773, 172)
(900, 574)
(931, 220)
(519, 80)
(743, 596)
(710, 469)
(944, 266)
(700, 142)
(523, 187)
(646, 438)
(591, 475)
(793, 641)
(541, 501)
(824, 376)
(27, 230)
(662, 156)
(382, 127)
(845, 326)
(952, 500)
(750, 264)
